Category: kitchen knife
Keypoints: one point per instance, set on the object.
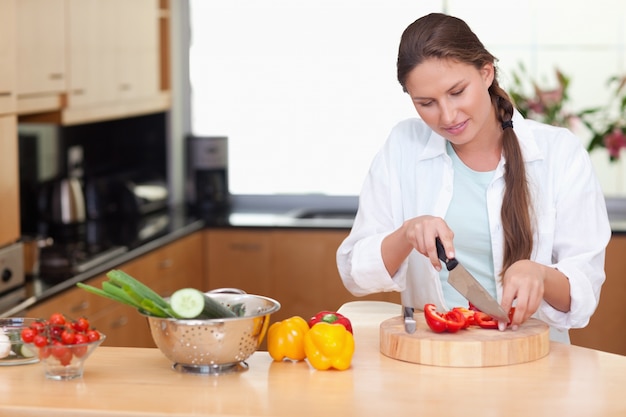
(409, 320)
(469, 287)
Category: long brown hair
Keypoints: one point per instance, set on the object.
(441, 36)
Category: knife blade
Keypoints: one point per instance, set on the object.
(409, 320)
(469, 287)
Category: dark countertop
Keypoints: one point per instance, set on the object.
(138, 241)
(180, 222)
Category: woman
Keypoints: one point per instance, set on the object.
(515, 201)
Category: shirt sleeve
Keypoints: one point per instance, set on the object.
(580, 235)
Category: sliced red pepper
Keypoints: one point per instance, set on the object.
(468, 314)
(451, 321)
(331, 317)
(485, 321)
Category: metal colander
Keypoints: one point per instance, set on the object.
(218, 345)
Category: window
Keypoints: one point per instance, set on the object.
(305, 91)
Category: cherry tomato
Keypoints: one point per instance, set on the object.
(28, 335)
(40, 340)
(81, 325)
(44, 352)
(93, 335)
(57, 319)
(80, 348)
(68, 337)
(66, 357)
(37, 326)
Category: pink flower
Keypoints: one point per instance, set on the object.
(550, 97)
(614, 142)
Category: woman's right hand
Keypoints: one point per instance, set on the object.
(418, 233)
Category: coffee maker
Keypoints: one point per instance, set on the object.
(207, 174)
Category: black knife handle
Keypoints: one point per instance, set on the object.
(441, 254)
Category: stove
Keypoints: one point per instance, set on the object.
(12, 279)
(69, 259)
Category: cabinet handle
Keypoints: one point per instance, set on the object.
(125, 87)
(84, 305)
(5, 93)
(78, 92)
(120, 322)
(166, 263)
(56, 76)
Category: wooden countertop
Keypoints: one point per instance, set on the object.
(570, 381)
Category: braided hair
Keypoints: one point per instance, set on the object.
(437, 35)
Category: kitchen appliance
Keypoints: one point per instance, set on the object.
(63, 201)
(469, 287)
(125, 194)
(12, 279)
(207, 174)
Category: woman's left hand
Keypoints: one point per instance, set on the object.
(523, 282)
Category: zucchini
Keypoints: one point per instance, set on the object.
(190, 303)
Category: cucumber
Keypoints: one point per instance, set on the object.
(189, 303)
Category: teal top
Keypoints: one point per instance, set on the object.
(468, 218)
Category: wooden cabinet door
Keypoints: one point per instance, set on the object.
(239, 258)
(137, 48)
(91, 52)
(179, 265)
(73, 303)
(298, 268)
(8, 57)
(113, 51)
(9, 181)
(40, 47)
(604, 331)
(305, 275)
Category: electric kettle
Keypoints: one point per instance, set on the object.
(63, 201)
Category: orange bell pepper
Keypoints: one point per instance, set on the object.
(285, 339)
(329, 346)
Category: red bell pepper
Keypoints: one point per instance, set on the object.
(450, 321)
(468, 314)
(485, 321)
(331, 317)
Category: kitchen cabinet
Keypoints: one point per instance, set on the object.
(9, 181)
(176, 265)
(41, 55)
(114, 59)
(84, 61)
(239, 258)
(605, 329)
(297, 267)
(8, 65)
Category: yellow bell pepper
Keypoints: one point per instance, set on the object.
(329, 346)
(285, 339)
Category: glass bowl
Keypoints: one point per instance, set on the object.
(12, 350)
(62, 362)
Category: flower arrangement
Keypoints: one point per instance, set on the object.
(607, 124)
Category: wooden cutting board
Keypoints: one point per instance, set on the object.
(472, 347)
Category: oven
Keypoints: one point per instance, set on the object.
(12, 277)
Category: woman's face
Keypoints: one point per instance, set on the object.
(453, 99)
